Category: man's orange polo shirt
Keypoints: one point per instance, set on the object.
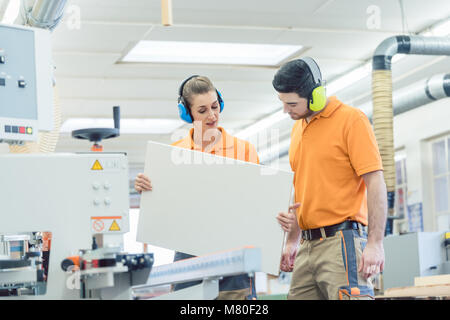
(328, 156)
(227, 146)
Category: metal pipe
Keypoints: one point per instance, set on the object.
(417, 94)
(46, 13)
(423, 92)
(382, 97)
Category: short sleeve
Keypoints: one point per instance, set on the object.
(362, 147)
(252, 154)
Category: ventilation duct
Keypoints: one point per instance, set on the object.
(421, 93)
(416, 95)
(382, 98)
(45, 14)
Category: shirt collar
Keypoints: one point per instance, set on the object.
(332, 105)
(225, 142)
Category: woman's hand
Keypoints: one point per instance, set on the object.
(142, 183)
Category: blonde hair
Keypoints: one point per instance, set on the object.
(194, 86)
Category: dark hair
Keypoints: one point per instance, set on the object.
(294, 76)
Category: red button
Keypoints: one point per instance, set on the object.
(21, 129)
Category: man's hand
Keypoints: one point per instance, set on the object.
(142, 183)
(372, 260)
(288, 257)
(287, 220)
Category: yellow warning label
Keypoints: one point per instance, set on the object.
(97, 166)
(114, 226)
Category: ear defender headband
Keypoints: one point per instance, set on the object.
(317, 98)
(183, 109)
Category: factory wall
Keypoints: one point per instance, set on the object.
(413, 133)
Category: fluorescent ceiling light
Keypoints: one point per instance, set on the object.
(210, 53)
(262, 125)
(11, 12)
(127, 126)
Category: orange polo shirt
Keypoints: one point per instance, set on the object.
(227, 146)
(328, 156)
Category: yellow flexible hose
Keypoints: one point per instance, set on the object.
(383, 123)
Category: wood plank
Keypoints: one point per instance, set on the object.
(418, 291)
(432, 280)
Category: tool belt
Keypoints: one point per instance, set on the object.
(329, 231)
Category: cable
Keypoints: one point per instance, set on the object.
(405, 28)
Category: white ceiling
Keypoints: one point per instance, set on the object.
(334, 32)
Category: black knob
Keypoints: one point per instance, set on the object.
(94, 243)
(116, 115)
(66, 263)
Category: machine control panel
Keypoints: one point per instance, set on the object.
(26, 80)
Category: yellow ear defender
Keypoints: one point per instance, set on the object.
(318, 96)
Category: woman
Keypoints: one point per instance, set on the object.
(200, 103)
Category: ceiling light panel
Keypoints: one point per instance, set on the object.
(210, 53)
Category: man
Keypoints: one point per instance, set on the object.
(335, 159)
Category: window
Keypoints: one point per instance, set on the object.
(400, 187)
(405, 221)
(441, 182)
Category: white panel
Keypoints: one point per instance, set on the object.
(212, 204)
(44, 81)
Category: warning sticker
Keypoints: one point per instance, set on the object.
(97, 166)
(106, 224)
(114, 226)
(98, 225)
